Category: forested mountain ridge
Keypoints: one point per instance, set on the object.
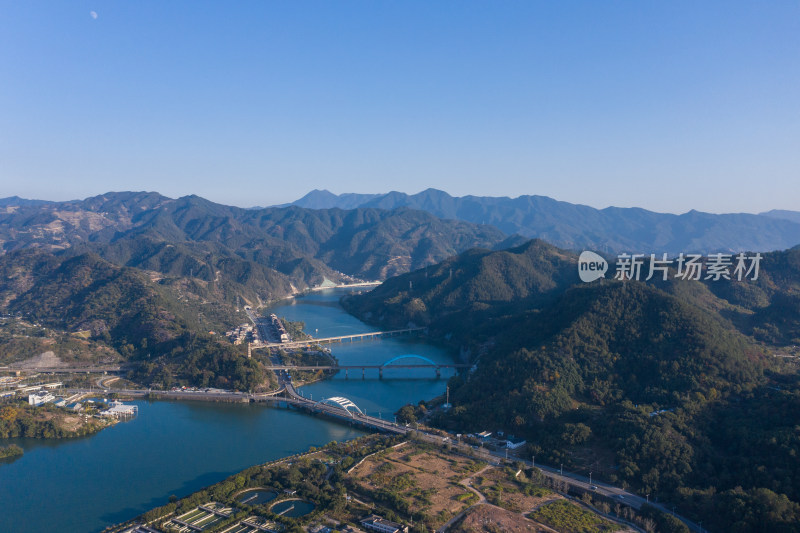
(678, 388)
(159, 327)
(578, 227)
(528, 276)
(470, 282)
(270, 252)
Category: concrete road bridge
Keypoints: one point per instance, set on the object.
(335, 407)
(395, 362)
(341, 338)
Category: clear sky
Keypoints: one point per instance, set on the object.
(664, 105)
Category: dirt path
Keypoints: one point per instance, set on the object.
(540, 504)
(467, 484)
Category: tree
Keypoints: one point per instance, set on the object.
(407, 415)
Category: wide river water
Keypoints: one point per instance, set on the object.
(83, 485)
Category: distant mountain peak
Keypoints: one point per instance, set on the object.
(324, 199)
(783, 214)
(13, 201)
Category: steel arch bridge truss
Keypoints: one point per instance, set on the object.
(342, 403)
(410, 356)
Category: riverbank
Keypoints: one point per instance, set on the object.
(18, 419)
(11, 450)
(425, 486)
(170, 448)
(303, 477)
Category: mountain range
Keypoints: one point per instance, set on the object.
(257, 254)
(577, 227)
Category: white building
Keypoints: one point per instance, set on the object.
(120, 409)
(40, 398)
(376, 523)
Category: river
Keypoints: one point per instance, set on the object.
(176, 448)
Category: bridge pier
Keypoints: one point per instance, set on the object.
(380, 373)
(363, 373)
(345, 373)
(438, 372)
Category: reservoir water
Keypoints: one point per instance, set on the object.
(175, 448)
(324, 317)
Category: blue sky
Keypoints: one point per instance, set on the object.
(665, 105)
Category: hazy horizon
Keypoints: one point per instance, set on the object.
(250, 206)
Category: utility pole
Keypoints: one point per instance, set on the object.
(561, 471)
(590, 478)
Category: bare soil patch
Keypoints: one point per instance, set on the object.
(44, 360)
(71, 422)
(425, 478)
(490, 519)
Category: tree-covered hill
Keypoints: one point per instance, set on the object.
(674, 388)
(159, 328)
(468, 284)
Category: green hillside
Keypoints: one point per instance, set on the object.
(154, 326)
(671, 387)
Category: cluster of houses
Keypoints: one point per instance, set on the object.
(115, 409)
(278, 331)
(500, 441)
(241, 334)
(42, 397)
